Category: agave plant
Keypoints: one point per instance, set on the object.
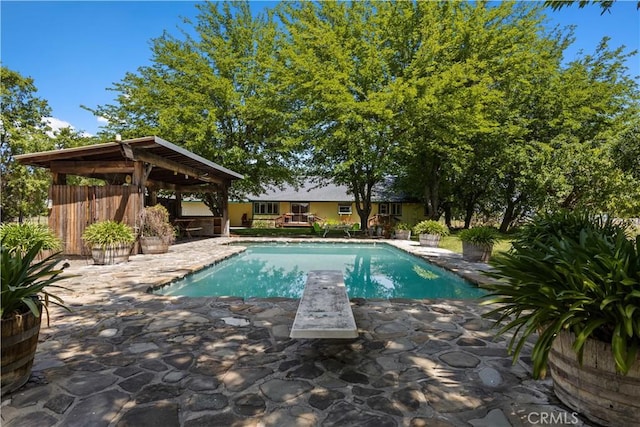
(431, 227)
(581, 278)
(25, 283)
(486, 236)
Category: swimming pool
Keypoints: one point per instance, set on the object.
(267, 270)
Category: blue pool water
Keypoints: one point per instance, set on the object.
(280, 270)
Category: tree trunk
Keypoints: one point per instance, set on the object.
(510, 214)
(468, 216)
(432, 196)
(447, 214)
(363, 207)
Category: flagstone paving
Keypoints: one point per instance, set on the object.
(124, 357)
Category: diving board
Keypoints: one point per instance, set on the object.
(324, 310)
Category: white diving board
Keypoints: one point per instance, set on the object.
(324, 310)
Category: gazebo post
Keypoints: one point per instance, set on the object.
(225, 209)
(178, 204)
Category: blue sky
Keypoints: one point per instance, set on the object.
(75, 50)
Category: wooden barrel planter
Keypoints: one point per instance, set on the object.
(430, 240)
(153, 245)
(595, 390)
(111, 254)
(19, 342)
(402, 234)
(476, 253)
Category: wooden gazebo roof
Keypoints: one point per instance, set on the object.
(173, 167)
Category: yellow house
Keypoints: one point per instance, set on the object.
(300, 207)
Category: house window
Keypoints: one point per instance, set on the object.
(396, 209)
(344, 209)
(383, 208)
(266, 208)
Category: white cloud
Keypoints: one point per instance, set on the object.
(103, 120)
(56, 124)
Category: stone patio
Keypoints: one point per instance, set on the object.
(124, 357)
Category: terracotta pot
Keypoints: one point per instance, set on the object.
(595, 389)
(19, 342)
(111, 254)
(431, 240)
(153, 245)
(476, 253)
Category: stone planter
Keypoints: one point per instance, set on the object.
(431, 240)
(111, 254)
(402, 234)
(476, 253)
(19, 342)
(153, 245)
(595, 389)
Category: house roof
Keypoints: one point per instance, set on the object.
(172, 164)
(310, 192)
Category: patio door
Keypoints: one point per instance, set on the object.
(299, 211)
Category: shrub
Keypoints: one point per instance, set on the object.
(262, 223)
(563, 273)
(402, 226)
(430, 227)
(23, 237)
(545, 227)
(154, 222)
(482, 236)
(108, 233)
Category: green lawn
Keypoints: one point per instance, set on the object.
(453, 243)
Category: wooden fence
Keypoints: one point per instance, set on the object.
(75, 207)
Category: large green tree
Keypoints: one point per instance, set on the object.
(212, 91)
(23, 189)
(343, 68)
(473, 61)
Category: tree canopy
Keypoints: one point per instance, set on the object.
(470, 107)
(21, 131)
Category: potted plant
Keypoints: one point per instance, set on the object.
(23, 236)
(110, 241)
(430, 232)
(572, 282)
(156, 232)
(402, 231)
(24, 295)
(477, 243)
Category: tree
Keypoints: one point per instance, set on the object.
(597, 109)
(214, 94)
(24, 189)
(473, 62)
(605, 5)
(344, 73)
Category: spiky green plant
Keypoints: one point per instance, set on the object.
(485, 236)
(25, 283)
(584, 281)
(108, 234)
(430, 227)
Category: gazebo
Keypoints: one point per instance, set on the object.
(131, 169)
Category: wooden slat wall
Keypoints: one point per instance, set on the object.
(75, 207)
